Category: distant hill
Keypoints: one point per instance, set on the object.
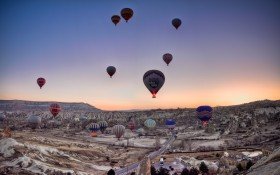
(28, 106)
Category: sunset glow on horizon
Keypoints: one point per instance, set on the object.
(224, 53)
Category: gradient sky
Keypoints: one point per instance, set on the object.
(225, 52)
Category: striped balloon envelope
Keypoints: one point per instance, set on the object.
(103, 125)
(150, 123)
(118, 130)
(93, 127)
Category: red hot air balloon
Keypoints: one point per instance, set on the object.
(167, 58)
(176, 23)
(41, 82)
(116, 19)
(111, 70)
(131, 125)
(154, 80)
(55, 109)
(126, 13)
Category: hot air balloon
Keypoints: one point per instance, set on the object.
(115, 19)
(150, 123)
(204, 113)
(170, 124)
(131, 125)
(94, 127)
(118, 130)
(126, 13)
(140, 131)
(153, 80)
(34, 121)
(103, 125)
(41, 82)
(55, 109)
(167, 58)
(176, 23)
(111, 70)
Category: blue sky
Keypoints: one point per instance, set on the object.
(225, 52)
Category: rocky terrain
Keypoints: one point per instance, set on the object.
(234, 135)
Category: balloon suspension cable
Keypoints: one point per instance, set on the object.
(154, 95)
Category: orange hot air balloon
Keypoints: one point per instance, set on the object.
(116, 19)
(41, 81)
(126, 13)
(55, 109)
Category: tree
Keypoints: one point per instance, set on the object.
(185, 172)
(203, 167)
(163, 171)
(111, 172)
(249, 164)
(239, 167)
(153, 170)
(194, 171)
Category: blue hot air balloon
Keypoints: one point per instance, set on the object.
(170, 124)
(204, 113)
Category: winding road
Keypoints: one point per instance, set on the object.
(133, 167)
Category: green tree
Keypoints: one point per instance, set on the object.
(239, 167)
(185, 172)
(193, 171)
(111, 172)
(203, 167)
(153, 170)
(249, 164)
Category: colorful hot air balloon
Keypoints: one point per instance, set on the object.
(103, 125)
(131, 125)
(204, 113)
(111, 70)
(154, 80)
(33, 121)
(41, 82)
(170, 124)
(176, 23)
(118, 130)
(167, 58)
(55, 109)
(116, 19)
(150, 123)
(126, 13)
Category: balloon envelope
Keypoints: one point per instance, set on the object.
(41, 82)
(118, 130)
(54, 109)
(150, 123)
(170, 123)
(34, 121)
(116, 19)
(93, 127)
(204, 113)
(176, 23)
(111, 70)
(167, 58)
(103, 125)
(131, 125)
(127, 13)
(153, 80)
